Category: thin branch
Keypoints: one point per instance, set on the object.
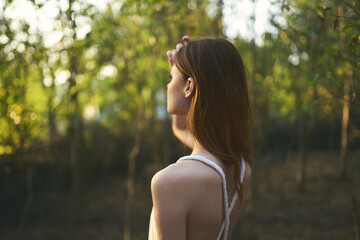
(352, 7)
(4, 8)
(355, 68)
(3, 11)
(345, 17)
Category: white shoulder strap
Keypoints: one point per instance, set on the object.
(243, 166)
(236, 194)
(235, 197)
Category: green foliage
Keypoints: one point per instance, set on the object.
(104, 76)
(121, 64)
(87, 92)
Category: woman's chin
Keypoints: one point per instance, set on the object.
(177, 110)
(172, 112)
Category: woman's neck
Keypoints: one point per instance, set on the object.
(200, 150)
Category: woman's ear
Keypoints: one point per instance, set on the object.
(190, 87)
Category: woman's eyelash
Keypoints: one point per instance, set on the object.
(170, 76)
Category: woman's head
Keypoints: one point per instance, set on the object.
(219, 114)
(179, 92)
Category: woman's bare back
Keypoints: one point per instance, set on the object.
(200, 189)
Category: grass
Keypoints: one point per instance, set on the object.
(275, 208)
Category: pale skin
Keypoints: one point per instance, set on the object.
(187, 196)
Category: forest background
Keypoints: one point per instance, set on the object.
(83, 122)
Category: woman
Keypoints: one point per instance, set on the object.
(201, 196)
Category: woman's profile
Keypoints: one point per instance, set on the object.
(202, 195)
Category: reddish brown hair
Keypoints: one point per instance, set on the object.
(220, 115)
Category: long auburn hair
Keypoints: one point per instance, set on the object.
(220, 114)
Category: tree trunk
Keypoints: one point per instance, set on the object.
(29, 198)
(308, 130)
(75, 131)
(302, 145)
(346, 107)
(344, 130)
(253, 193)
(131, 172)
(51, 115)
(356, 220)
(74, 144)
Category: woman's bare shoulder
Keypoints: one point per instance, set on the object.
(171, 175)
(175, 173)
(169, 186)
(185, 176)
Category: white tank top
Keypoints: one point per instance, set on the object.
(224, 230)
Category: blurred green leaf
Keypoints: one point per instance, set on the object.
(349, 26)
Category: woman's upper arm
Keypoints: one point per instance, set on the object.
(170, 208)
